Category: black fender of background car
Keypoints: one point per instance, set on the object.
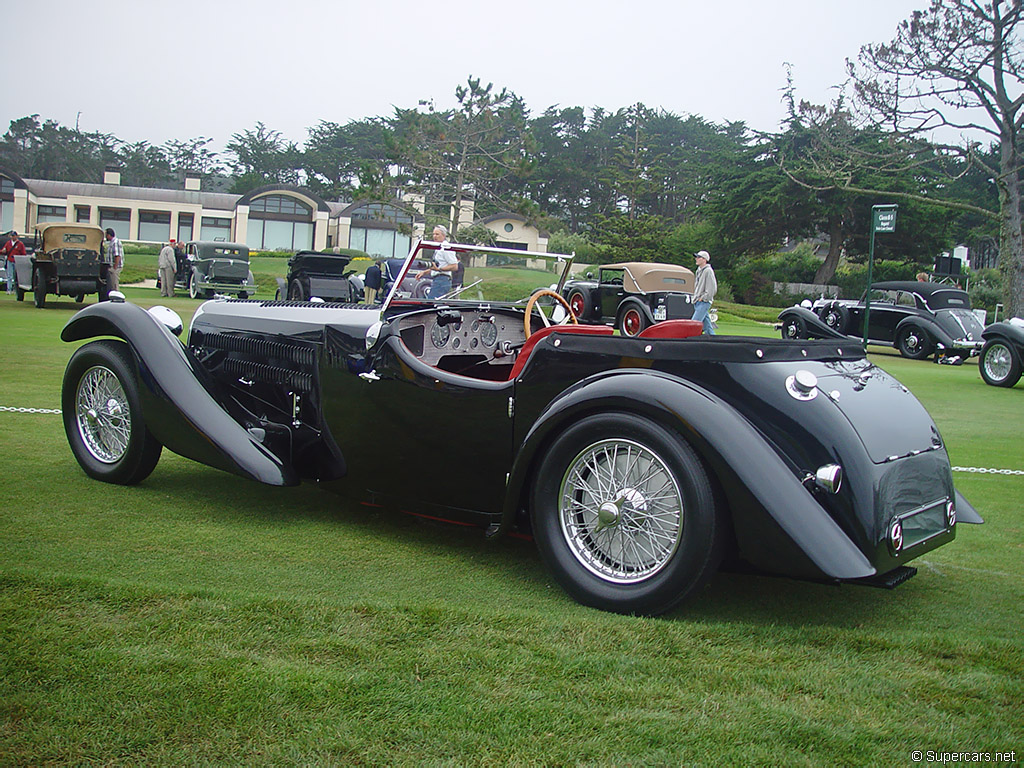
(630, 301)
(282, 288)
(929, 326)
(813, 325)
(179, 409)
(723, 438)
(1004, 330)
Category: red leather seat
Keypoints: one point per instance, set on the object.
(672, 329)
(543, 333)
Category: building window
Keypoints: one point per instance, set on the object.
(379, 242)
(117, 219)
(154, 226)
(509, 227)
(51, 213)
(83, 214)
(214, 228)
(382, 212)
(280, 204)
(185, 221)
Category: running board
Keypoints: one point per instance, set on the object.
(889, 580)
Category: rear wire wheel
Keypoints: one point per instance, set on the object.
(103, 416)
(624, 515)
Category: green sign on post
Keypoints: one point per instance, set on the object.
(883, 219)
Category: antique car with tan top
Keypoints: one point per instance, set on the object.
(632, 296)
(67, 262)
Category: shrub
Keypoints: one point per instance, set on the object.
(586, 251)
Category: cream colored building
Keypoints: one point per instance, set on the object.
(276, 217)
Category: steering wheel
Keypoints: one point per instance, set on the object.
(533, 300)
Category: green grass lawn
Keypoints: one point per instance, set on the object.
(199, 618)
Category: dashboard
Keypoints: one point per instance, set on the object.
(448, 338)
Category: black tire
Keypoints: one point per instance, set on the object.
(104, 294)
(579, 302)
(39, 288)
(103, 416)
(914, 343)
(836, 318)
(296, 291)
(1000, 363)
(632, 321)
(243, 295)
(649, 560)
(794, 328)
(19, 293)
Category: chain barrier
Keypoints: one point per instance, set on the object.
(987, 471)
(13, 409)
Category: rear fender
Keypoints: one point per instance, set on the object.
(929, 326)
(728, 443)
(179, 409)
(1004, 330)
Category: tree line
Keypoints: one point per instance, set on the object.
(647, 184)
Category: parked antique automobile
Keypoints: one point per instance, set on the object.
(66, 261)
(635, 463)
(215, 267)
(326, 276)
(1001, 357)
(917, 318)
(633, 295)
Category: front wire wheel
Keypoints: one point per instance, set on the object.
(624, 515)
(103, 416)
(1000, 363)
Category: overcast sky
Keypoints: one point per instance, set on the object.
(153, 71)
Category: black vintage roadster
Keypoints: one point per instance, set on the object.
(636, 463)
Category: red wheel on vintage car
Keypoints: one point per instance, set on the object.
(632, 321)
(578, 304)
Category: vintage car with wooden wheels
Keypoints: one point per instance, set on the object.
(1002, 357)
(919, 319)
(66, 261)
(637, 464)
(632, 296)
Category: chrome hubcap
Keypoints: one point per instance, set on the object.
(102, 413)
(621, 511)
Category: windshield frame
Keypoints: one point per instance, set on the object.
(424, 249)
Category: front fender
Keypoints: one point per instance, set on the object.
(724, 439)
(179, 409)
(1005, 330)
(813, 325)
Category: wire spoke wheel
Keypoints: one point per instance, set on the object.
(621, 511)
(104, 418)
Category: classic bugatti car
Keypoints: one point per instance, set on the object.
(917, 318)
(633, 295)
(636, 463)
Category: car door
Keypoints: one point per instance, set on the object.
(429, 437)
(611, 293)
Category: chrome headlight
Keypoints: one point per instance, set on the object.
(829, 478)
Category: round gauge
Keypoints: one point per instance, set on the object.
(475, 326)
(473, 342)
(439, 335)
(488, 334)
(456, 343)
(457, 326)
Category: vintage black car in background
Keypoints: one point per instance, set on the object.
(636, 463)
(65, 260)
(215, 267)
(633, 296)
(327, 276)
(919, 319)
(1003, 353)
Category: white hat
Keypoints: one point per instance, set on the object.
(703, 255)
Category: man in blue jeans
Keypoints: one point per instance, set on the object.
(704, 291)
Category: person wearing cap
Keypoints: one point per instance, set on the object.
(13, 247)
(704, 291)
(167, 265)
